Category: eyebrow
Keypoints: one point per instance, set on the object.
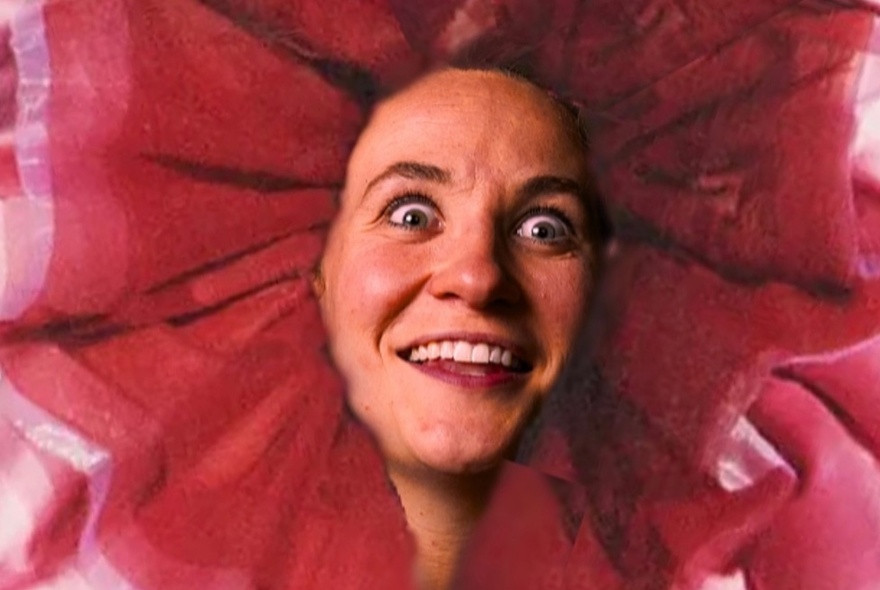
(541, 185)
(414, 171)
(537, 186)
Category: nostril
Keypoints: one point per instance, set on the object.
(479, 282)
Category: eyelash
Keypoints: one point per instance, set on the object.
(405, 199)
(408, 198)
(550, 210)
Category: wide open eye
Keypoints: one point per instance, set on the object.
(413, 212)
(544, 226)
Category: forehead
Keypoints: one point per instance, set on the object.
(472, 94)
(456, 119)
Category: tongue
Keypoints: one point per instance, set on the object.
(467, 368)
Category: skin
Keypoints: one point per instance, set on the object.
(470, 253)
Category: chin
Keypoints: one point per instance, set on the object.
(459, 455)
(461, 466)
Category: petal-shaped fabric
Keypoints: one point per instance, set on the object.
(172, 418)
(742, 183)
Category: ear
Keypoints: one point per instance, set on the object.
(318, 286)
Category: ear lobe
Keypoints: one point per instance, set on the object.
(318, 286)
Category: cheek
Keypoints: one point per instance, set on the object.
(370, 288)
(561, 295)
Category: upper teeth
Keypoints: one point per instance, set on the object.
(462, 352)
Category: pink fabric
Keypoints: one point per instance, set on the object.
(744, 246)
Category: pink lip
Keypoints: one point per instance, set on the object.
(493, 375)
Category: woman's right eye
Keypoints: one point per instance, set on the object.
(412, 212)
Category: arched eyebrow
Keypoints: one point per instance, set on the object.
(542, 185)
(412, 170)
(534, 187)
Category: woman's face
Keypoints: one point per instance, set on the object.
(456, 274)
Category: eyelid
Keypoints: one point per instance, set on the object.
(405, 199)
(549, 210)
(409, 198)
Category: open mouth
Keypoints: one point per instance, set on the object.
(468, 355)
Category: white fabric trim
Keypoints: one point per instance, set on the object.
(27, 224)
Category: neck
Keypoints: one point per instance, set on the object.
(441, 511)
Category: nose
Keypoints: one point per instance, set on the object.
(475, 268)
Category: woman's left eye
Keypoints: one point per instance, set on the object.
(544, 227)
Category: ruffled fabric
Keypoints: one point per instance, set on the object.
(745, 196)
(172, 418)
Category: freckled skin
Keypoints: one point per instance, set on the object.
(469, 269)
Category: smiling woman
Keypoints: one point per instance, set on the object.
(455, 279)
